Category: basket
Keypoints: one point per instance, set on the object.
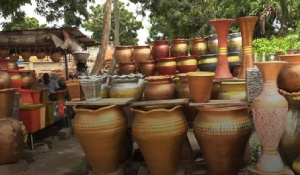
(91, 88)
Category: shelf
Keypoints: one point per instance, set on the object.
(102, 102)
(179, 101)
(221, 103)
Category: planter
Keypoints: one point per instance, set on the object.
(160, 49)
(198, 46)
(7, 97)
(55, 57)
(160, 135)
(100, 133)
(127, 68)
(200, 84)
(186, 64)
(141, 53)
(125, 86)
(74, 89)
(91, 87)
(235, 42)
(179, 47)
(159, 88)
(166, 66)
(207, 62)
(5, 80)
(212, 44)
(123, 54)
(222, 134)
(147, 68)
(233, 91)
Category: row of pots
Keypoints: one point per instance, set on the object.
(17, 79)
(55, 56)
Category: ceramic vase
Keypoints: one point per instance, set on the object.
(166, 66)
(159, 88)
(123, 54)
(141, 53)
(246, 25)
(222, 133)
(186, 64)
(147, 67)
(269, 113)
(160, 49)
(198, 46)
(101, 133)
(179, 47)
(160, 135)
(222, 27)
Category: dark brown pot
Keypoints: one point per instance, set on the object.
(7, 103)
(186, 64)
(123, 54)
(198, 46)
(166, 66)
(147, 67)
(159, 88)
(179, 47)
(141, 53)
(160, 49)
(127, 68)
(41, 55)
(5, 80)
(25, 55)
(222, 134)
(55, 57)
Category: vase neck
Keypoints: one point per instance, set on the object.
(270, 88)
(270, 70)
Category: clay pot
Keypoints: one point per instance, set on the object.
(160, 49)
(212, 44)
(141, 53)
(7, 106)
(207, 62)
(104, 90)
(166, 66)
(16, 78)
(11, 141)
(179, 47)
(125, 86)
(5, 80)
(200, 84)
(41, 55)
(269, 112)
(55, 57)
(233, 91)
(235, 42)
(198, 46)
(147, 67)
(216, 89)
(222, 133)
(74, 89)
(159, 88)
(123, 54)
(186, 64)
(27, 78)
(233, 59)
(296, 166)
(14, 57)
(127, 68)
(26, 55)
(160, 135)
(4, 53)
(100, 133)
(12, 65)
(182, 87)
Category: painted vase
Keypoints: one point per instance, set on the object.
(127, 68)
(233, 91)
(101, 133)
(179, 47)
(123, 54)
(186, 64)
(198, 46)
(223, 133)
(147, 67)
(160, 49)
(160, 135)
(166, 66)
(7, 97)
(269, 113)
(141, 53)
(159, 88)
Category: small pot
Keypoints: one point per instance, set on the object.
(55, 57)
(208, 62)
(5, 80)
(186, 64)
(179, 47)
(198, 46)
(41, 55)
(127, 68)
(123, 54)
(233, 91)
(160, 49)
(147, 67)
(141, 53)
(166, 66)
(159, 88)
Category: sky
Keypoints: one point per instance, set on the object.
(142, 33)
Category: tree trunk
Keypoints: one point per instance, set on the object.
(104, 39)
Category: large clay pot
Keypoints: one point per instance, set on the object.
(160, 49)
(27, 78)
(198, 46)
(123, 54)
(235, 42)
(233, 91)
(159, 88)
(179, 47)
(222, 133)
(186, 64)
(16, 78)
(160, 134)
(100, 133)
(11, 141)
(141, 53)
(147, 67)
(127, 68)
(7, 97)
(5, 80)
(166, 66)
(207, 62)
(212, 44)
(125, 86)
(269, 112)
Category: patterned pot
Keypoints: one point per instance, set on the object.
(198, 46)
(141, 53)
(160, 49)
(179, 47)
(127, 68)
(207, 62)
(123, 54)
(166, 66)
(186, 64)
(159, 88)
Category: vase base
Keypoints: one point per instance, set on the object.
(253, 171)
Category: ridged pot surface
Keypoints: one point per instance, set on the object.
(101, 133)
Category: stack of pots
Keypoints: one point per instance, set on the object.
(142, 56)
(123, 56)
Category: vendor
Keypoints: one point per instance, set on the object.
(50, 82)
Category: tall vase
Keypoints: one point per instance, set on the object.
(222, 27)
(246, 25)
(269, 112)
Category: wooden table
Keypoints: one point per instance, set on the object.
(220, 103)
(102, 102)
(179, 101)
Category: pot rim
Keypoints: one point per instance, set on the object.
(11, 71)
(141, 46)
(200, 74)
(161, 41)
(147, 61)
(219, 108)
(166, 59)
(197, 39)
(230, 83)
(93, 110)
(132, 63)
(158, 77)
(208, 56)
(186, 57)
(269, 62)
(123, 47)
(155, 110)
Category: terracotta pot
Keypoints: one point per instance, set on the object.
(55, 57)
(12, 65)
(147, 67)
(74, 89)
(160, 49)
(179, 47)
(207, 62)
(198, 46)
(186, 64)
(5, 80)
(222, 27)
(27, 78)
(246, 25)
(127, 68)
(160, 134)
(11, 141)
(212, 44)
(159, 88)
(141, 53)
(200, 84)
(233, 91)
(100, 133)
(125, 87)
(296, 166)
(16, 78)
(166, 66)
(235, 42)
(104, 90)
(223, 133)
(26, 55)
(269, 112)
(123, 54)
(4, 53)
(7, 98)
(41, 55)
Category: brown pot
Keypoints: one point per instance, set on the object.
(179, 47)
(11, 141)
(166, 66)
(41, 55)
(223, 133)
(26, 55)
(7, 103)
(123, 54)
(182, 87)
(147, 67)
(55, 57)
(4, 53)
(186, 64)
(12, 65)
(159, 88)
(14, 57)
(127, 68)
(5, 80)
(160, 49)
(100, 133)
(198, 46)
(160, 135)
(141, 53)
(27, 78)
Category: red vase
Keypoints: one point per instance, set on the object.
(222, 27)
(160, 49)
(186, 64)
(166, 66)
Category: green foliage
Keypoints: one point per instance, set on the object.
(12, 7)
(26, 23)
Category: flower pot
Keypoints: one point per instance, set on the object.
(235, 42)
(160, 49)
(127, 68)
(198, 46)
(179, 47)
(141, 53)
(55, 57)
(166, 66)
(91, 87)
(7, 97)
(125, 86)
(186, 64)
(147, 67)
(159, 88)
(207, 62)
(100, 133)
(233, 91)
(160, 135)
(123, 54)
(5, 79)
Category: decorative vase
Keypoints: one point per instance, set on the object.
(159, 88)
(246, 25)
(200, 84)
(207, 62)
(147, 67)
(55, 57)
(11, 141)
(16, 78)
(141, 53)
(160, 134)
(166, 66)
(123, 54)
(127, 68)
(91, 87)
(7, 97)
(233, 91)
(235, 42)
(186, 64)
(5, 79)
(100, 133)
(179, 47)
(222, 133)
(212, 44)
(160, 49)
(222, 27)
(198, 46)
(269, 113)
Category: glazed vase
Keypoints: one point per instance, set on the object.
(223, 133)
(186, 64)
(141, 53)
(160, 134)
(269, 113)
(222, 27)
(5, 79)
(166, 66)
(101, 133)
(147, 67)
(7, 97)
(234, 42)
(198, 46)
(11, 141)
(179, 47)
(160, 49)
(123, 54)
(159, 88)
(246, 25)
(127, 68)
(233, 91)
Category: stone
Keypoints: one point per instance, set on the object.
(64, 133)
(254, 83)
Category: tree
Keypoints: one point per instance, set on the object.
(128, 24)
(26, 24)
(12, 7)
